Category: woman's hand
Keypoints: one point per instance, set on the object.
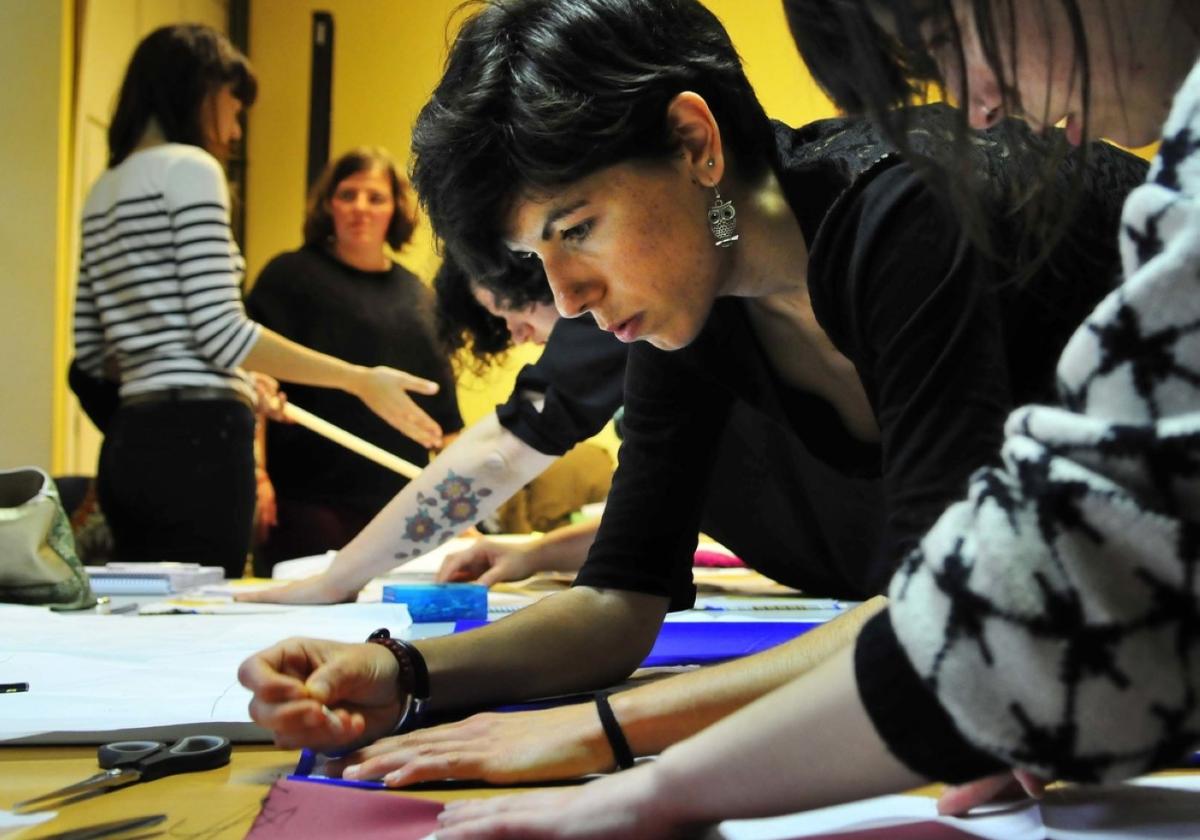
(385, 391)
(1016, 784)
(321, 694)
(625, 805)
(499, 748)
(487, 561)
(266, 506)
(268, 399)
(318, 589)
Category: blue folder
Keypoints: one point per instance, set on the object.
(705, 642)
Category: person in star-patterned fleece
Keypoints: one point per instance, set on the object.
(1049, 623)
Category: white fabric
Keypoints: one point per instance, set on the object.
(1055, 611)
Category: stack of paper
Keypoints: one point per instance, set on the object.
(151, 578)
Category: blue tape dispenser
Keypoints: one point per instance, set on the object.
(439, 601)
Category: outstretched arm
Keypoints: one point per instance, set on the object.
(383, 389)
(569, 741)
(466, 483)
(806, 745)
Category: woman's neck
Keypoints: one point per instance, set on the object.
(152, 136)
(364, 259)
(771, 257)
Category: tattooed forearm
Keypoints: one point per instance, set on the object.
(453, 506)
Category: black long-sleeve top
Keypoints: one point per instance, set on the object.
(941, 344)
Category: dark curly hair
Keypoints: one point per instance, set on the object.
(537, 94)
(464, 324)
(318, 222)
(171, 72)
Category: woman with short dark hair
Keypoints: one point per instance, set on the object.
(158, 309)
(1047, 623)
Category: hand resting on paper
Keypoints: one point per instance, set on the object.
(324, 588)
(499, 748)
(292, 680)
(627, 804)
(488, 562)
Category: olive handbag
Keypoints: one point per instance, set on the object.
(38, 564)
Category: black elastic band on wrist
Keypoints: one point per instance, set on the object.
(613, 732)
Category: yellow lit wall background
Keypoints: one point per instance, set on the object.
(388, 56)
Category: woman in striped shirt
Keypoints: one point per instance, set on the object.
(158, 308)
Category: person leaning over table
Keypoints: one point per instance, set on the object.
(757, 467)
(343, 294)
(566, 397)
(158, 308)
(1047, 622)
(850, 309)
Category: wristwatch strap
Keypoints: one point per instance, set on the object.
(412, 678)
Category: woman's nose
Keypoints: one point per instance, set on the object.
(572, 299)
(986, 102)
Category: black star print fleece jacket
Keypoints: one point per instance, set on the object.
(1051, 620)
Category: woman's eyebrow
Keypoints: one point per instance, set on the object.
(558, 213)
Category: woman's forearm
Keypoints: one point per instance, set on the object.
(665, 712)
(805, 745)
(564, 549)
(463, 485)
(285, 359)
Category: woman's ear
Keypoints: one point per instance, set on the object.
(699, 136)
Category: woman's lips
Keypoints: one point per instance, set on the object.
(628, 329)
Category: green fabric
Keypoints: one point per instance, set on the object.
(38, 563)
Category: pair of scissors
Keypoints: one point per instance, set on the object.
(125, 762)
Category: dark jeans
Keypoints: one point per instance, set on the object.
(307, 528)
(176, 482)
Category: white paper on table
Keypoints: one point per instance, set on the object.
(98, 674)
(11, 823)
(1149, 807)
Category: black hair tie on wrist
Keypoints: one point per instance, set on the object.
(612, 731)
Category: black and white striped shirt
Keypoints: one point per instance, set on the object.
(160, 275)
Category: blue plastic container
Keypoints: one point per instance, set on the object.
(439, 601)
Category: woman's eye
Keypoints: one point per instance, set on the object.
(938, 42)
(378, 198)
(578, 232)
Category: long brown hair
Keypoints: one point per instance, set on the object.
(171, 72)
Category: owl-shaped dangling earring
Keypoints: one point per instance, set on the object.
(722, 219)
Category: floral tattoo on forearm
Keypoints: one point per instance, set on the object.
(441, 516)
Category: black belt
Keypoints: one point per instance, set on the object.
(172, 395)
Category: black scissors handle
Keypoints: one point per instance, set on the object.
(155, 760)
(127, 753)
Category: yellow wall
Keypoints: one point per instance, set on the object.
(387, 58)
(35, 56)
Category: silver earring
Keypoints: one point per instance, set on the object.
(722, 220)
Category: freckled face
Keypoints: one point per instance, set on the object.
(531, 325)
(631, 245)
